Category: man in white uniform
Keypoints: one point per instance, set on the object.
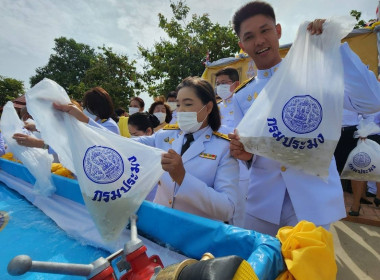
(279, 195)
(227, 80)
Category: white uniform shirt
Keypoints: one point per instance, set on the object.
(226, 109)
(209, 188)
(109, 124)
(350, 118)
(313, 199)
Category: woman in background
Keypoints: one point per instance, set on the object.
(142, 124)
(98, 107)
(162, 112)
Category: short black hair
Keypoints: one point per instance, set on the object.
(171, 94)
(143, 120)
(249, 10)
(119, 111)
(205, 93)
(232, 73)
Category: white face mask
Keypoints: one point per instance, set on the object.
(160, 116)
(224, 91)
(188, 122)
(89, 114)
(132, 110)
(172, 105)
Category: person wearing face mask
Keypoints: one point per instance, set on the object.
(162, 112)
(136, 105)
(98, 107)
(171, 100)
(201, 176)
(227, 80)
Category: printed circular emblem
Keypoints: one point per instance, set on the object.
(362, 160)
(3, 219)
(302, 114)
(102, 165)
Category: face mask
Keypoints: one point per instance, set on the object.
(188, 122)
(160, 116)
(172, 105)
(224, 91)
(90, 115)
(132, 110)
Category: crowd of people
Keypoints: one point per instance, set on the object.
(207, 170)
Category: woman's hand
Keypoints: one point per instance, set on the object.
(237, 148)
(28, 141)
(172, 163)
(315, 27)
(72, 110)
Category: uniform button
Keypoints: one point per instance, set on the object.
(170, 202)
(283, 168)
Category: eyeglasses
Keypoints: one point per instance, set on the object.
(224, 83)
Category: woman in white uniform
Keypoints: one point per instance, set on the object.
(203, 178)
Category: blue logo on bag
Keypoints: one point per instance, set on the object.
(302, 114)
(362, 160)
(103, 165)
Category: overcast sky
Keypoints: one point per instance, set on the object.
(28, 27)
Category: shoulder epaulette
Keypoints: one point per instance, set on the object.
(171, 126)
(221, 135)
(218, 100)
(243, 84)
(103, 120)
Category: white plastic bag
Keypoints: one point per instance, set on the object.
(363, 163)
(37, 161)
(296, 118)
(115, 173)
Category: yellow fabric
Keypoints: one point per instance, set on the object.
(123, 127)
(245, 272)
(308, 252)
(9, 156)
(58, 169)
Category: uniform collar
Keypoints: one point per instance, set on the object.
(267, 73)
(200, 132)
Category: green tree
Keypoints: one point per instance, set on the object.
(10, 89)
(184, 53)
(115, 73)
(68, 65)
(360, 23)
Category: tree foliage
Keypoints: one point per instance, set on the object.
(10, 89)
(77, 68)
(115, 73)
(360, 23)
(68, 65)
(184, 53)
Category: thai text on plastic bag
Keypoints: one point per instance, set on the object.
(115, 173)
(296, 118)
(363, 162)
(36, 160)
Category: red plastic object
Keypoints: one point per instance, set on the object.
(106, 274)
(142, 267)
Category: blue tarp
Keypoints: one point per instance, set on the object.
(183, 232)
